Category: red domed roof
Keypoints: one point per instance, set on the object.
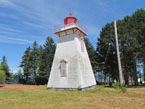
(70, 19)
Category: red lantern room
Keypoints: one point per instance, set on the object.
(70, 19)
(71, 26)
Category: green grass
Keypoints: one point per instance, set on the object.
(99, 97)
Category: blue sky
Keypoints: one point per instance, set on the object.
(24, 21)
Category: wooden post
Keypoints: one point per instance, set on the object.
(118, 54)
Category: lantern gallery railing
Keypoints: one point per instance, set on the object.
(60, 26)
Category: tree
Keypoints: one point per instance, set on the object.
(46, 59)
(91, 53)
(106, 51)
(4, 60)
(5, 68)
(131, 42)
(26, 63)
(138, 19)
(2, 75)
(35, 59)
(18, 75)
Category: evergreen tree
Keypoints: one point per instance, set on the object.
(106, 51)
(35, 59)
(26, 63)
(18, 75)
(138, 22)
(91, 53)
(2, 75)
(131, 43)
(5, 68)
(49, 49)
(4, 60)
(46, 59)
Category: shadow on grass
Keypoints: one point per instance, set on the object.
(108, 86)
(130, 86)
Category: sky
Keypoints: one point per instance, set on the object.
(24, 21)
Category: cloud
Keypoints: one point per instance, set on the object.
(35, 25)
(39, 10)
(7, 29)
(44, 15)
(102, 3)
(18, 41)
(6, 3)
(106, 6)
(5, 32)
(37, 14)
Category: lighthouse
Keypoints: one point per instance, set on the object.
(71, 67)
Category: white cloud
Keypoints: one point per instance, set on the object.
(35, 25)
(6, 3)
(105, 6)
(18, 41)
(8, 29)
(102, 3)
(4, 32)
(39, 10)
(44, 14)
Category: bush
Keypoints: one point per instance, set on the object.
(79, 88)
(110, 84)
(123, 89)
(120, 86)
(117, 85)
(41, 80)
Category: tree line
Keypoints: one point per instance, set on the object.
(131, 35)
(37, 61)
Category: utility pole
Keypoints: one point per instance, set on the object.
(118, 54)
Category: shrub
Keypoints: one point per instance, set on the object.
(120, 86)
(117, 85)
(110, 84)
(79, 88)
(123, 89)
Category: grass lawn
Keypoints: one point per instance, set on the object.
(41, 98)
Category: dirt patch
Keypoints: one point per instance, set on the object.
(20, 86)
(135, 95)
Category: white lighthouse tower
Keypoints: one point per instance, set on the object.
(71, 66)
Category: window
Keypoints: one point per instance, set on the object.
(82, 43)
(63, 68)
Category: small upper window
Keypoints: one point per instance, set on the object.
(82, 43)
